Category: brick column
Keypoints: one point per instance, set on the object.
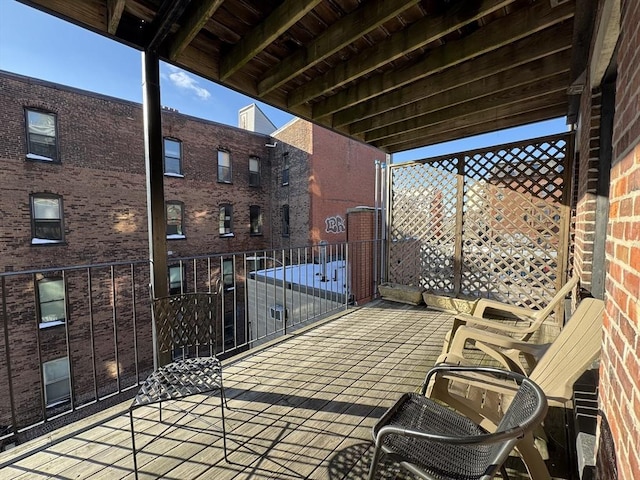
(362, 248)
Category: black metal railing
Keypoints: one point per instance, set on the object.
(77, 339)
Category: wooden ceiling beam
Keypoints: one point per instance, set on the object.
(478, 124)
(416, 35)
(114, 13)
(376, 112)
(340, 34)
(507, 80)
(279, 21)
(190, 25)
(501, 98)
(498, 33)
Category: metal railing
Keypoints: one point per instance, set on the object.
(84, 340)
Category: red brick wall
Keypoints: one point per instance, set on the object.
(362, 251)
(101, 177)
(620, 366)
(342, 177)
(295, 138)
(587, 178)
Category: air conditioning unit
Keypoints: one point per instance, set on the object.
(278, 312)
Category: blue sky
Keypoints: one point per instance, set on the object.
(42, 46)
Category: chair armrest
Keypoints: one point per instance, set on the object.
(494, 340)
(520, 312)
(473, 321)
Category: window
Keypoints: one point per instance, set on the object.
(227, 273)
(224, 167)
(172, 157)
(46, 219)
(51, 302)
(254, 172)
(176, 279)
(41, 136)
(226, 217)
(278, 312)
(285, 168)
(57, 388)
(175, 220)
(255, 220)
(285, 220)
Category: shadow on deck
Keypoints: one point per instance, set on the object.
(300, 408)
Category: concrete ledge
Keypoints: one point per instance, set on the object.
(396, 292)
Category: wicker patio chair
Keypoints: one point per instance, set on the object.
(438, 443)
(185, 327)
(482, 398)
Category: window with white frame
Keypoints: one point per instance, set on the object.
(285, 168)
(172, 157)
(42, 137)
(176, 279)
(57, 387)
(254, 172)
(46, 219)
(51, 302)
(255, 220)
(285, 220)
(226, 220)
(224, 167)
(227, 273)
(175, 220)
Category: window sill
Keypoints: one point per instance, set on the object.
(227, 235)
(228, 182)
(42, 158)
(176, 237)
(58, 402)
(46, 241)
(175, 175)
(256, 234)
(54, 323)
(285, 184)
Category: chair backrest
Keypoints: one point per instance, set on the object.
(186, 324)
(557, 299)
(571, 353)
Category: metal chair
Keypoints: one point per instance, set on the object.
(185, 328)
(437, 443)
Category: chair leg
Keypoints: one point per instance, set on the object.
(374, 461)
(133, 445)
(532, 459)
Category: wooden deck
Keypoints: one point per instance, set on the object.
(300, 408)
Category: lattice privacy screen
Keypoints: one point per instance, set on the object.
(486, 223)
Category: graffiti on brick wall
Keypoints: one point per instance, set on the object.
(335, 224)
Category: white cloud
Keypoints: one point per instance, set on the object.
(184, 81)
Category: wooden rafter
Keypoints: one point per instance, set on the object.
(349, 28)
(114, 13)
(483, 122)
(191, 24)
(387, 108)
(280, 20)
(503, 98)
(497, 34)
(417, 35)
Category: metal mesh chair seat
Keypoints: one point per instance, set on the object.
(438, 443)
(180, 379)
(441, 460)
(184, 324)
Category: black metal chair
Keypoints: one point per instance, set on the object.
(185, 331)
(437, 443)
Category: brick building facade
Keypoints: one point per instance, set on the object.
(74, 193)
